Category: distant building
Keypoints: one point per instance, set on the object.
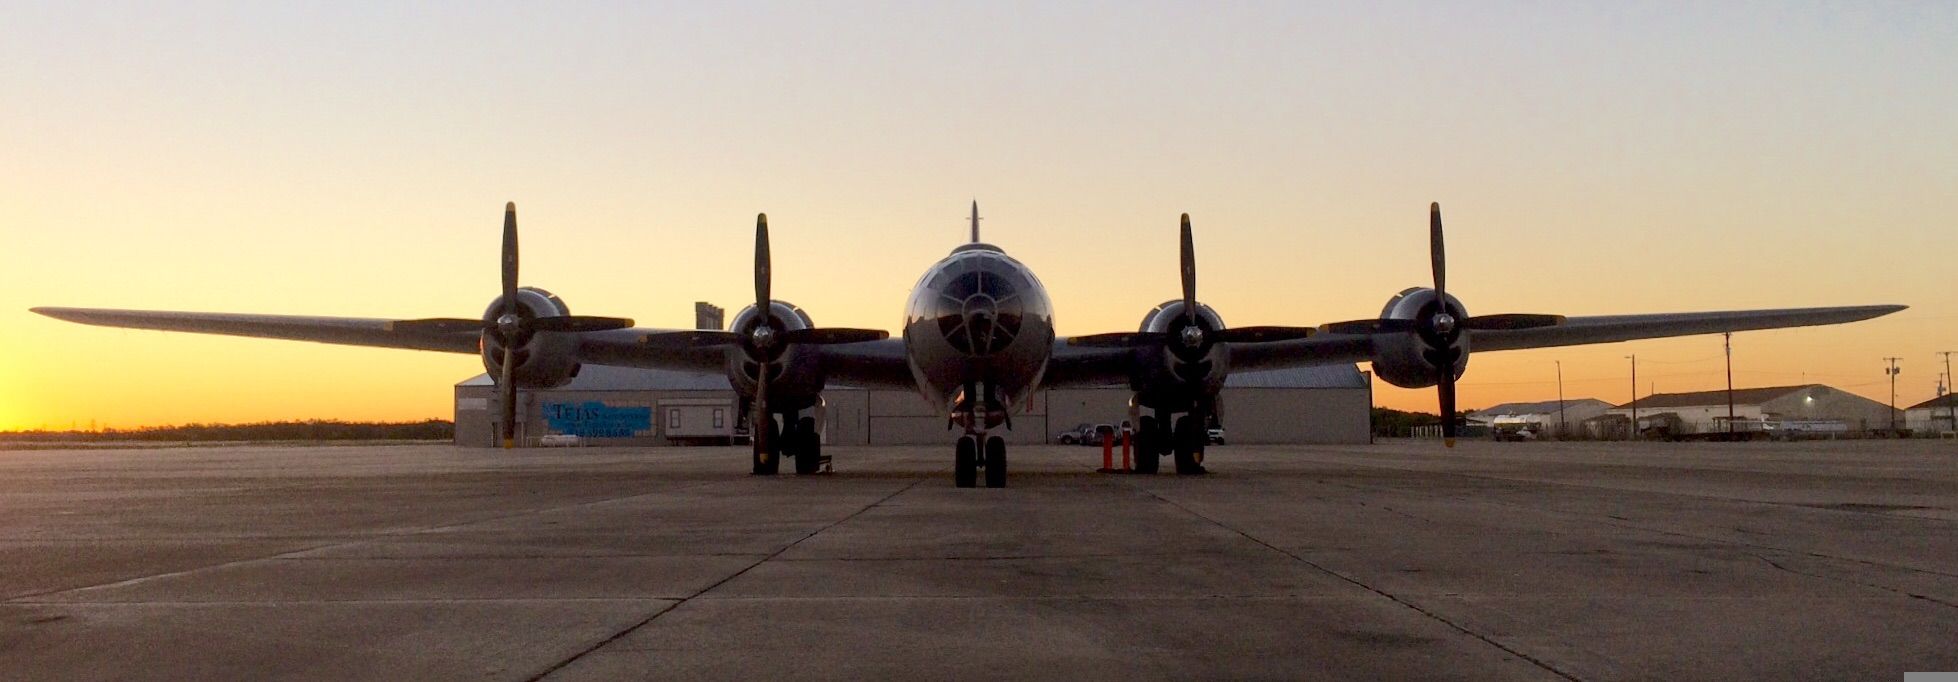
(1931, 417)
(1706, 411)
(707, 315)
(1543, 419)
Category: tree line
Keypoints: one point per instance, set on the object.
(322, 430)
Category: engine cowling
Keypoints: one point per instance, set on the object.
(795, 379)
(1397, 358)
(1173, 376)
(543, 359)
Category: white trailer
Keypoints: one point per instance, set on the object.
(697, 420)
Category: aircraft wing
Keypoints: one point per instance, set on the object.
(352, 331)
(620, 347)
(1609, 328)
(869, 364)
(1333, 348)
(1084, 367)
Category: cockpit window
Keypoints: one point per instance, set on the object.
(979, 307)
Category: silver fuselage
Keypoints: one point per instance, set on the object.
(980, 319)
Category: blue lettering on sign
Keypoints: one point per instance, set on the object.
(598, 420)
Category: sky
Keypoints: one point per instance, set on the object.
(353, 159)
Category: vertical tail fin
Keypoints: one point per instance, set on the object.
(975, 221)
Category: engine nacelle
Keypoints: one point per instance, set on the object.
(1397, 358)
(795, 373)
(542, 359)
(1165, 380)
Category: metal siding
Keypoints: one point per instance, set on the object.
(1296, 415)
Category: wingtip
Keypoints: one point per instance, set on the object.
(1186, 220)
(1434, 207)
(510, 207)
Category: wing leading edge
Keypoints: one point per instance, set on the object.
(1326, 349)
(878, 364)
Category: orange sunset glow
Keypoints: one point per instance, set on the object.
(354, 161)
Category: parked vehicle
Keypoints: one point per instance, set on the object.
(1084, 434)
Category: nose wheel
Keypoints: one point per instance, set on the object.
(974, 452)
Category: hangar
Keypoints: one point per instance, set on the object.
(1706, 411)
(1551, 418)
(625, 406)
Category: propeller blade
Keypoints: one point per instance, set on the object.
(579, 323)
(762, 271)
(1508, 321)
(510, 258)
(1375, 326)
(834, 335)
(1265, 334)
(691, 339)
(436, 325)
(1436, 252)
(758, 425)
(1119, 340)
(1189, 273)
(508, 389)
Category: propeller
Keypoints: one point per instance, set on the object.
(1192, 341)
(511, 326)
(764, 342)
(1439, 329)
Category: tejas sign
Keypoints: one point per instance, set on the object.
(598, 420)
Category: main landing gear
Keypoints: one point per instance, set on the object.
(799, 442)
(977, 451)
(1154, 439)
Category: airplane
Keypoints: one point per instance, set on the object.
(978, 340)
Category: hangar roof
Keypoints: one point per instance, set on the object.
(1742, 396)
(609, 378)
(1543, 407)
(1321, 376)
(1946, 400)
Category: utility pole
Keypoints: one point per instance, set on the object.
(1562, 429)
(1951, 406)
(1893, 394)
(1729, 342)
(1634, 431)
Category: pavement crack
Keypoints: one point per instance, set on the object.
(635, 627)
(1431, 615)
(1859, 583)
(301, 552)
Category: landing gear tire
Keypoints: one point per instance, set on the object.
(1148, 446)
(1189, 437)
(995, 462)
(809, 447)
(965, 462)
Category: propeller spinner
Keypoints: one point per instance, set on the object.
(764, 342)
(1192, 341)
(511, 326)
(1439, 329)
